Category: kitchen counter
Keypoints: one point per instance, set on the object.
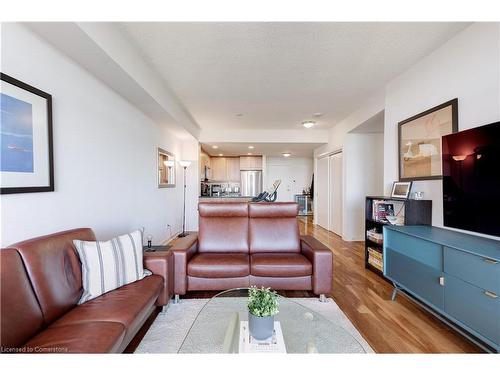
(225, 198)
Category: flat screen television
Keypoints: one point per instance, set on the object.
(471, 179)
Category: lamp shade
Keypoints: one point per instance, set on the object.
(169, 163)
(184, 163)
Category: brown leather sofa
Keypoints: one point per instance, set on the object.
(243, 244)
(40, 284)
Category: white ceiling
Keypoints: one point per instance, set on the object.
(268, 149)
(279, 74)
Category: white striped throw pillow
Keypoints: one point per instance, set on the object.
(108, 265)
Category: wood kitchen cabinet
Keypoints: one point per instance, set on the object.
(204, 162)
(219, 169)
(225, 169)
(251, 163)
(233, 169)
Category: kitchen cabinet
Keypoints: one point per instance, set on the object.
(204, 162)
(251, 163)
(233, 169)
(219, 169)
(225, 169)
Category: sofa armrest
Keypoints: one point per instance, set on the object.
(321, 258)
(162, 263)
(183, 250)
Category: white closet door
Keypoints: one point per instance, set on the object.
(335, 187)
(321, 187)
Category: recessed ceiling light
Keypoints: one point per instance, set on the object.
(251, 147)
(308, 124)
(221, 154)
(318, 114)
(215, 147)
(286, 154)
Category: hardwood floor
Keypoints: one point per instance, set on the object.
(398, 326)
(389, 327)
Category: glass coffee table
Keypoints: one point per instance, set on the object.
(216, 329)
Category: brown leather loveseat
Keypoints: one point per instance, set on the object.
(243, 244)
(40, 284)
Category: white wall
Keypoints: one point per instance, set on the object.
(363, 175)
(467, 67)
(337, 134)
(104, 153)
(366, 110)
(295, 175)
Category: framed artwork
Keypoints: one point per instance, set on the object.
(26, 155)
(166, 169)
(401, 189)
(420, 146)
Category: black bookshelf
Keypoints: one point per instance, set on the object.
(415, 212)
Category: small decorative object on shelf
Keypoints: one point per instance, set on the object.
(262, 307)
(392, 211)
(418, 195)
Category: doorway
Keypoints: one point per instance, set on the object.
(329, 192)
(322, 196)
(335, 190)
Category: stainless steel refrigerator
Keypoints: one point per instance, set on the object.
(251, 183)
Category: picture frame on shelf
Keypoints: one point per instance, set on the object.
(401, 189)
(419, 141)
(27, 159)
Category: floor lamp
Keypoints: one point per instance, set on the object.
(184, 164)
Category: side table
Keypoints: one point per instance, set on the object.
(161, 262)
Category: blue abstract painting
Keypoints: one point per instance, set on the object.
(16, 135)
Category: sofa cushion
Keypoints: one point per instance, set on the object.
(108, 265)
(129, 305)
(90, 337)
(21, 317)
(279, 265)
(54, 269)
(223, 228)
(273, 228)
(214, 265)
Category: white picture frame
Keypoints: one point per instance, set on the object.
(401, 189)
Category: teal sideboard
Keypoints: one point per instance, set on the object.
(454, 275)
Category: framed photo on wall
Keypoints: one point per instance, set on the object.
(166, 169)
(26, 155)
(420, 141)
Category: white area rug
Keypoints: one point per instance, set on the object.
(168, 331)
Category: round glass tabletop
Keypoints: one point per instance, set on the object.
(216, 329)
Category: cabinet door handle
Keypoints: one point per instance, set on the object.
(490, 261)
(490, 294)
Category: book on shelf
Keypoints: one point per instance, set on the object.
(376, 262)
(381, 209)
(375, 253)
(375, 236)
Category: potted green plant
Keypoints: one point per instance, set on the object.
(262, 307)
